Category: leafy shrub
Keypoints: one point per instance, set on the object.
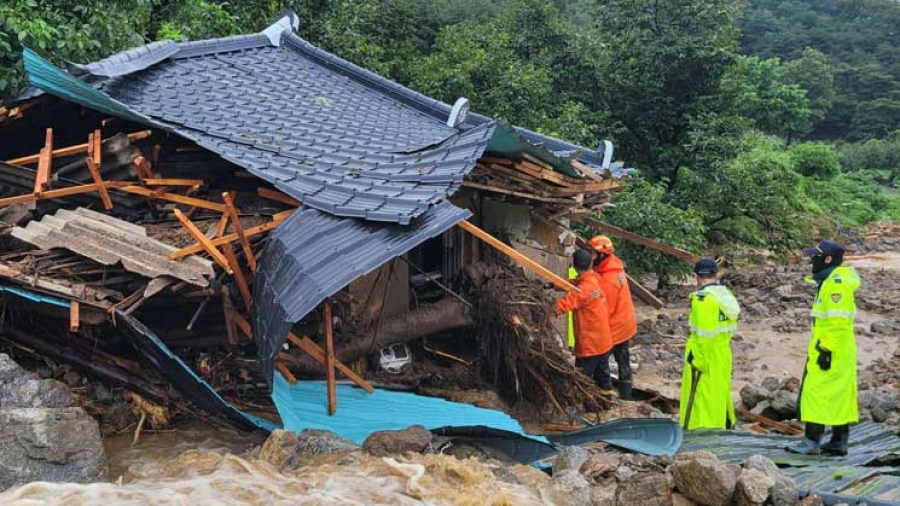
(853, 199)
(815, 159)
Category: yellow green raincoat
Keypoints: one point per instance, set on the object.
(829, 397)
(714, 315)
(573, 274)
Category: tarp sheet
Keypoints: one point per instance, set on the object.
(304, 406)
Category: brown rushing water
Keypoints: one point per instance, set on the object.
(198, 465)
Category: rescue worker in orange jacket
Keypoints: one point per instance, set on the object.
(593, 339)
(622, 321)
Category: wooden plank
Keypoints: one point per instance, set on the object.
(207, 245)
(232, 213)
(588, 187)
(97, 148)
(62, 192)
(42, 180)
(644, 293)
(172, 197)
(278, 197)
(518, 257)
(154, 181)
(285, 372)
(243, 325)
(239, 278)
(529, 196)
(72, 150)
(544, 173)
(639, 239)
(250, 232)
(74, 316)
(781, 427)
(143, 168)
(223, 224)
(94, 169)
(318, 354)
(329, 360)
(586, 171)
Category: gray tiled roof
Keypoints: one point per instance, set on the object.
(340, 144)
(313, 255)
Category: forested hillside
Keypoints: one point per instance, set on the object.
(759, 123)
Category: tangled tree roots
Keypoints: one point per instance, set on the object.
(524, 355)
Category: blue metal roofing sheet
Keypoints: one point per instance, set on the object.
(313, 255)
(856, 475)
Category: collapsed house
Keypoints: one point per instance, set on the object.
(239, 213)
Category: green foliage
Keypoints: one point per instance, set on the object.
(853, 199)
(760, 91)
(194, 20)
(643, 208)
(815, 159)
(881, 154)
(813, 72)
(754, 198)
(859, 39)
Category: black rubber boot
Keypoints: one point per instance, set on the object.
(840, 441)
(625, 390)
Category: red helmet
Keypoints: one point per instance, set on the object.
(602, 244)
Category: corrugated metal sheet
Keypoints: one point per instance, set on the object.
(182, 377)
(850, 476)
(312, 255)
(111, 241)
(303, 406)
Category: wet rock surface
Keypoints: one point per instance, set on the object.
(43, 436)
(287, 449)
(415, 439)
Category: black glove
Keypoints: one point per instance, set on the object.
(824, 360)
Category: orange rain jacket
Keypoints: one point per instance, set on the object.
(592, 335)
(622, 321)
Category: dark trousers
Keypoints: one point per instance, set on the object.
(597, 367)
(839, 433)
(622, 354)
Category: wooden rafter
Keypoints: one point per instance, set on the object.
(173, 197)
(71, 150)
(62, 192)
(232, 213)
(239, 278)
(205, 242)
(94, 169)
(74, 316)
(250, 232)
(329, 359)
(518, 257)
(639, 239)
(278, 197)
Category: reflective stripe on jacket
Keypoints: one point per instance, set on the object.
(573, 274)
(714, 316)
(830, 397)
(592, 336)
(622, 321)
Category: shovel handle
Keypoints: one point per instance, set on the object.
(695, 379)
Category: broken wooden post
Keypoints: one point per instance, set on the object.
(239, 278)
(285, 372)
(94, 169)
(204, 241)
(232, 213)
(644, 293)
(143, 168)
(639, 239)
(45, 160)
(518, 257)
(329, 360)
(74, 316)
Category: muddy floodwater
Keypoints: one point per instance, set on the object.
(198, 465)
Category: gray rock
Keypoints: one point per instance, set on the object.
(645, 489)
(753, 488)
(784, 491)
(287, 449)
(763, 465)
(570, 488)
(570, 457)
(19, 390)
(771, 383)
(707, 482)
(751, 395)
(783, 291)
(785, 402)
(884, 327)
(49, 444)
(604, 494)
(761, 407)
(413, 439)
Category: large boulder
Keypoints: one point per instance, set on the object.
(704, 479)
(286, 449)
(785, 402)
(753, 488)
(645, 489)
(55, 445)
(570, 488)
(751, 395)
(784, 491)
(413, 439)
(19, 390)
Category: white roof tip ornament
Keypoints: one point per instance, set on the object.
(459, 112)
(289, 22)
(607, 153)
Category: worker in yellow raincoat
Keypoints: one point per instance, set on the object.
(828, 394)
(707, 355)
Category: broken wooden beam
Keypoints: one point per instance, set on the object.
(586, 171)
(143, 169)
(45, 160)
(318, 354)
(61, 192)
(72, 150)
(784, 428)
(278, 196)
(285, 372)
(205, 243)
(644, 293)
(238, 274)
(94, 169)
(329, 359)
(639, 239)
(232, 213)
(526, 262)
(158, 181)
(250, 232)
(74, 316)
(173, 197)
(524, 195)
